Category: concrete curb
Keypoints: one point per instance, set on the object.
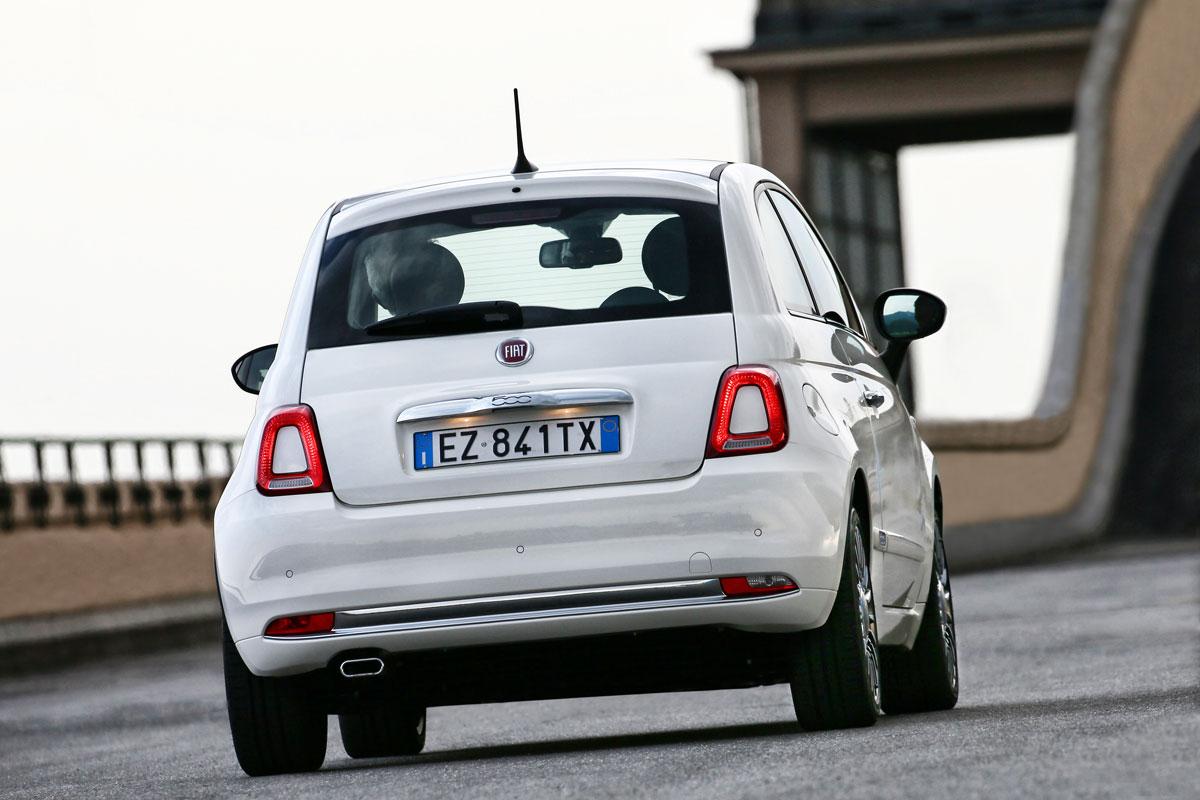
(51, 643)
(1015, 551)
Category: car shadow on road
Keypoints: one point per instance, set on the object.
(969, 715)
(584, 744)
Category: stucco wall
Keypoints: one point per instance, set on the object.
(66, 569)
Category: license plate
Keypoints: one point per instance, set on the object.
(517, 441)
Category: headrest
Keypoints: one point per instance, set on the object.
(405, 280)
(633, 296)
(665, 257)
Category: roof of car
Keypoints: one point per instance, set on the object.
(691, 166)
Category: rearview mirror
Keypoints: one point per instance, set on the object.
(250, 370)
(579, 253)
(903, 316)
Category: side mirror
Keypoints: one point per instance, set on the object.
(903, 316)
(250, 370)
(579, 253)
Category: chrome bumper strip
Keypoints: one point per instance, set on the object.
(535, 605)
(553, 398)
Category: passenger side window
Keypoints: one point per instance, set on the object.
(785, 272)
(821, 273)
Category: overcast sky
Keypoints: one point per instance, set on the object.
(163, 166)
(984, 226)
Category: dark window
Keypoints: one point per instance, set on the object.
(565, 262)
(826, 284)
(782, 263)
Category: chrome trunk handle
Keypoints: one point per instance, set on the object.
(551, 398)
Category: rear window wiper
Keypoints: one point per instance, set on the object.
(487, 315)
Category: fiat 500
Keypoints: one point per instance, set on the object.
(574, 432)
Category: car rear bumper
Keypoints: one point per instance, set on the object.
(770, 513)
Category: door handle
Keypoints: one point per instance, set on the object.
(871, 399)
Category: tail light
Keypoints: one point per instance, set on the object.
(749, 415)
(290, 459)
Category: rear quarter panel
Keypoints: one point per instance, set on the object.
(766, 334)
(282, 384)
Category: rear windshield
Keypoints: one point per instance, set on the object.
(564, 262)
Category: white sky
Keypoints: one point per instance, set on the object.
(162, 168)
(984, 226)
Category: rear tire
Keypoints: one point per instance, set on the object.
(384, 732)
(835, 669)
(926, 677)
(275, 725)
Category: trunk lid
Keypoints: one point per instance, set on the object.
(658, 375)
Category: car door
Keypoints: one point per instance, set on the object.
(908, 523)
(826, 368)
(898, 524)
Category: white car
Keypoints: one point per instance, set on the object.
(580, 431)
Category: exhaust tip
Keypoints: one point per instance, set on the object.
(361, 667)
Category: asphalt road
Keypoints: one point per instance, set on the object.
(1079, 679)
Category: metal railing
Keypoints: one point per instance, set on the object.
(84, 481)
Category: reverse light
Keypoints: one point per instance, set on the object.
(751, 585)
(290, 459)
(758, 389)
(300, 625)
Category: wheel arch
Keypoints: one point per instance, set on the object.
(860, 496)
(927, 571)
(858, 493)
(860, 499)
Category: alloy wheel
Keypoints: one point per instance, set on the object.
(866, 615)
(946, 611)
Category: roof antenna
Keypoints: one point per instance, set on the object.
(523, 164)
